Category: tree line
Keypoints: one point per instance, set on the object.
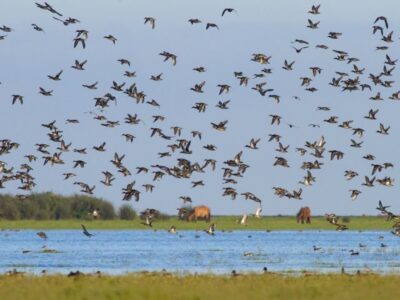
(50, 206)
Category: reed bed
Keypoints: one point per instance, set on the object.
(168, 286)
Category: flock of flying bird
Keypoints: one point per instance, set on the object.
(233, 168)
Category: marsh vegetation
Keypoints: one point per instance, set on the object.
(167, 286)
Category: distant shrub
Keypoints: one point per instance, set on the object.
(163, 216)
(27, 209)
(50, 206)
(9, 209)
(82, 205)
(346, 219)
(107, 211)
(63, 211)
(42, 215)
(126, 212)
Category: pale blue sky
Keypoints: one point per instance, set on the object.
(28, 56)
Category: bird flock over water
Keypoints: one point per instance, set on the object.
(179, 142)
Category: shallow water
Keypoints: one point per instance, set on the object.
(122, 251)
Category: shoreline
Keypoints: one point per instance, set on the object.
(223, 223)
(186, 274)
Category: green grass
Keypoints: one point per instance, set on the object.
(222, 222)
(165, 287)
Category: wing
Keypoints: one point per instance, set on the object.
(386, 22)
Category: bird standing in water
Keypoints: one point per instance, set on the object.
(172, 229)
(211, 229)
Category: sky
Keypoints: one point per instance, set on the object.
(269, 27)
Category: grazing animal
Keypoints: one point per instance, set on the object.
(304, 214)
(200, 212)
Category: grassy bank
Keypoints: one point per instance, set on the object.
(222, 222)
(166, 287)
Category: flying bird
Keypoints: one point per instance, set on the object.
(85, 232)
(151, 21)
(42, 235)
(211, 25)
(229, 10)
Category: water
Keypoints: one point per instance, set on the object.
(123, 251)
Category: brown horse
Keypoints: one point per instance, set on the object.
(304, 214)
(200, 212)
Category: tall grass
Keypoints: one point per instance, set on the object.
(165, 287)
